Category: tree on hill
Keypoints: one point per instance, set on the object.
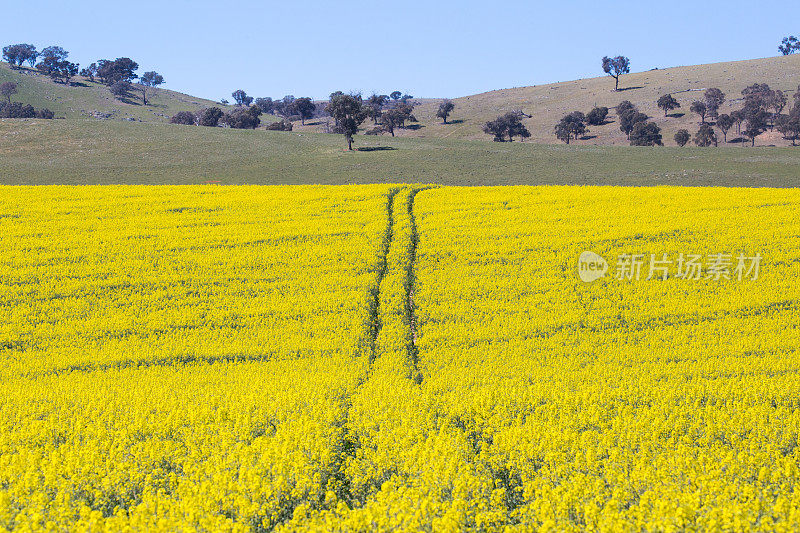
(89, 72)
(725, 123)
(629, 118)
(375, 105)
(395, 95)
(596, 116)
(390, 120)
(54, 63)
(571, 126)
(149, 79)
(616, 67)
(404, 113)
(65, 71)
(210, 117)
(305, 108)
(121, 69)
(755, 123)
(646, 134)
(509, 124)
(348, 111)
(668, 103)
(265, 104)
(714, 98)
(789, 45)
(285, 106)
(776, 101)
(756, 97)
(624, 106)
(241, 98)
(682, 137)
(445, 108)
(738, 119)
(17, 54)
(789, 126)
(705, 136)
(8, 89)
(699, 108)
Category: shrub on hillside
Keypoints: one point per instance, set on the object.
(281, 125)
(45, 114)
(16, 110)
(183, 117)
(597, 116)
(243, 118)
(210, 117)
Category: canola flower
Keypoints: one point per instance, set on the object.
(396, 358)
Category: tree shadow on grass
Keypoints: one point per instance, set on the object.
(127, 100)
(375, 148)
(676, 115)
(628, 88)
(414, 127)
(588, 137)
(457, 121)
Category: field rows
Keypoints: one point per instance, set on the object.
(394, 358)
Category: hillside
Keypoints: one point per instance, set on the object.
(548, 103)
(86, 99)
(110, 151)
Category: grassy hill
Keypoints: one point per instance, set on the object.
(103, 152)
(85, 99)
(548, 103)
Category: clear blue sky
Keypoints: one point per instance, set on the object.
(436, 48)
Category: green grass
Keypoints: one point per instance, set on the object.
(86, 99)
(103, 152)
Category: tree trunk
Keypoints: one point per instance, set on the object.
(350, 144)
(616, 83)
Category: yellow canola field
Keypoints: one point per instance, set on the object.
(552, 404)
(398, 358)
(180, 358)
